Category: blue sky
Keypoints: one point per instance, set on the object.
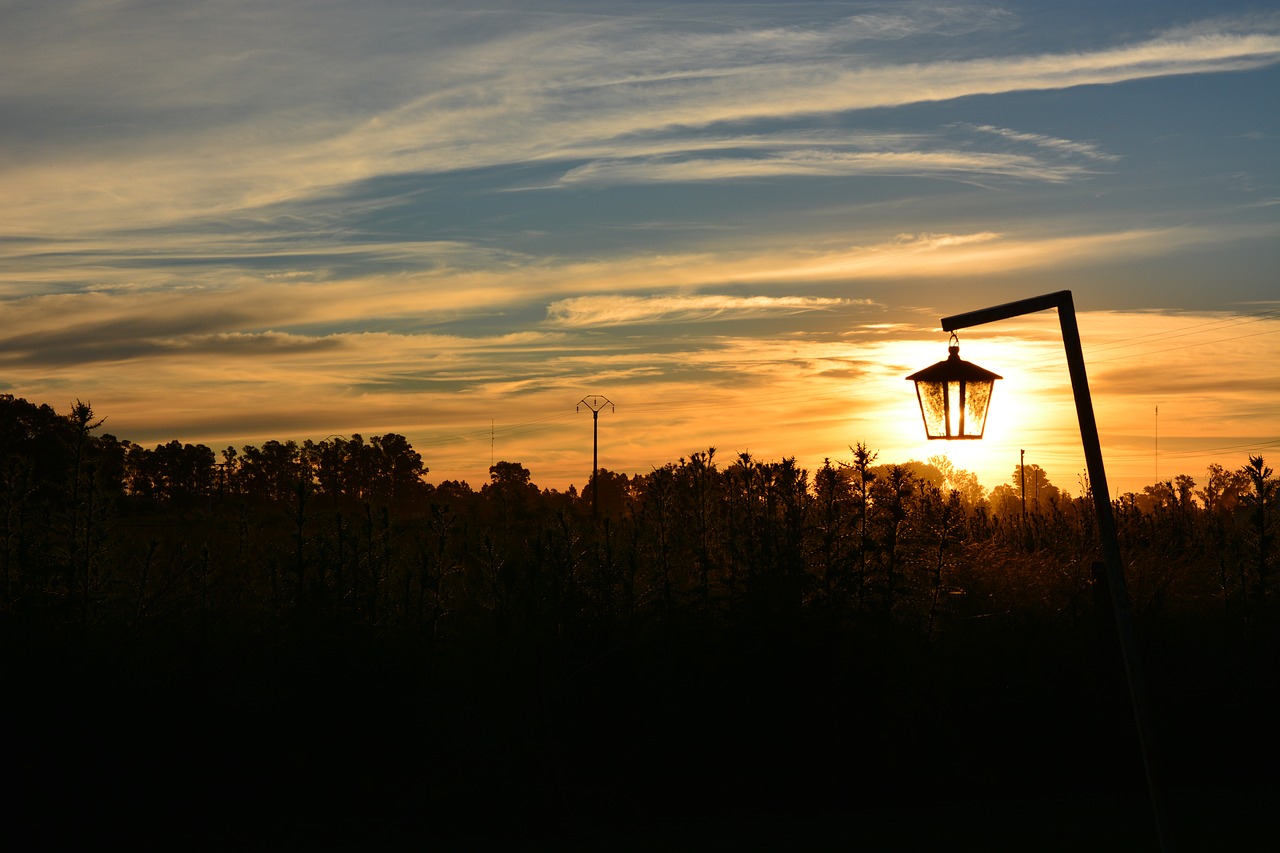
(230, 222)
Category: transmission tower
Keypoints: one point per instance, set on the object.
(595, 403)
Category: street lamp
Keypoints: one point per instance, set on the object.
(954, 396)
(944, 391)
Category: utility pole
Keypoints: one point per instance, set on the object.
(595, 403)
(1022, 470)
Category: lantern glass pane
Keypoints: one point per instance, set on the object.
(955, 426)
(977, 399)
(933, 407)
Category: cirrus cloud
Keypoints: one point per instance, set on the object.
(612, 310)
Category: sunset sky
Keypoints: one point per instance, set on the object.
(230, 222)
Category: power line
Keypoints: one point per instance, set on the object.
(522, 428)
(1183, 347)
(1234, 321)
(1165, 454)
(1048, 363)
(1187, 454)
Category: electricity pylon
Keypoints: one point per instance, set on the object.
(595, 403)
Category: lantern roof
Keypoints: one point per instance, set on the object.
(953, 369)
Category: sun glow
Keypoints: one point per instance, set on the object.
(1031, 409)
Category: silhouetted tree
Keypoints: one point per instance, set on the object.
(1005, 501)
(1040, 493)
(862, 477)
(941, 522)
(924, 473)
(615, 491)
(836, 522)
(959, 480)
(1222, 488)
(1260, 504)
(890, 501)
(269, 474)
(698, 487)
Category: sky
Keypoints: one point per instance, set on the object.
(739, 223)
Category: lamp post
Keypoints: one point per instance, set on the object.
(1117, 594)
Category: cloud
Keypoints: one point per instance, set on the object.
(103, 346)
(595, 311)
(925, 255)
(154, 118)
(463, 306)
(1064, 146)
(811, 163)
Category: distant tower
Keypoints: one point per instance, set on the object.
(595, 403)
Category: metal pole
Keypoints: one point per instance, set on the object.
(595, 463)
(595, 404)
(1022, 471)
(1118, 594)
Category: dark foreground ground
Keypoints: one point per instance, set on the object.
(768, 742)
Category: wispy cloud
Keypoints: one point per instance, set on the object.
(810, 163)
(1064, 146)
(595, 311)
(129, 321)
(152, 132)
(917, 255)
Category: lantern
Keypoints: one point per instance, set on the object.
(954, 396)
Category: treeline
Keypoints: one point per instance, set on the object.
(538, 627)
(101, 530)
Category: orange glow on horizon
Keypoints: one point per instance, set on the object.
(811, 397)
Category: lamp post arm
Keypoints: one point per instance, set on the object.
(1004, 312)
